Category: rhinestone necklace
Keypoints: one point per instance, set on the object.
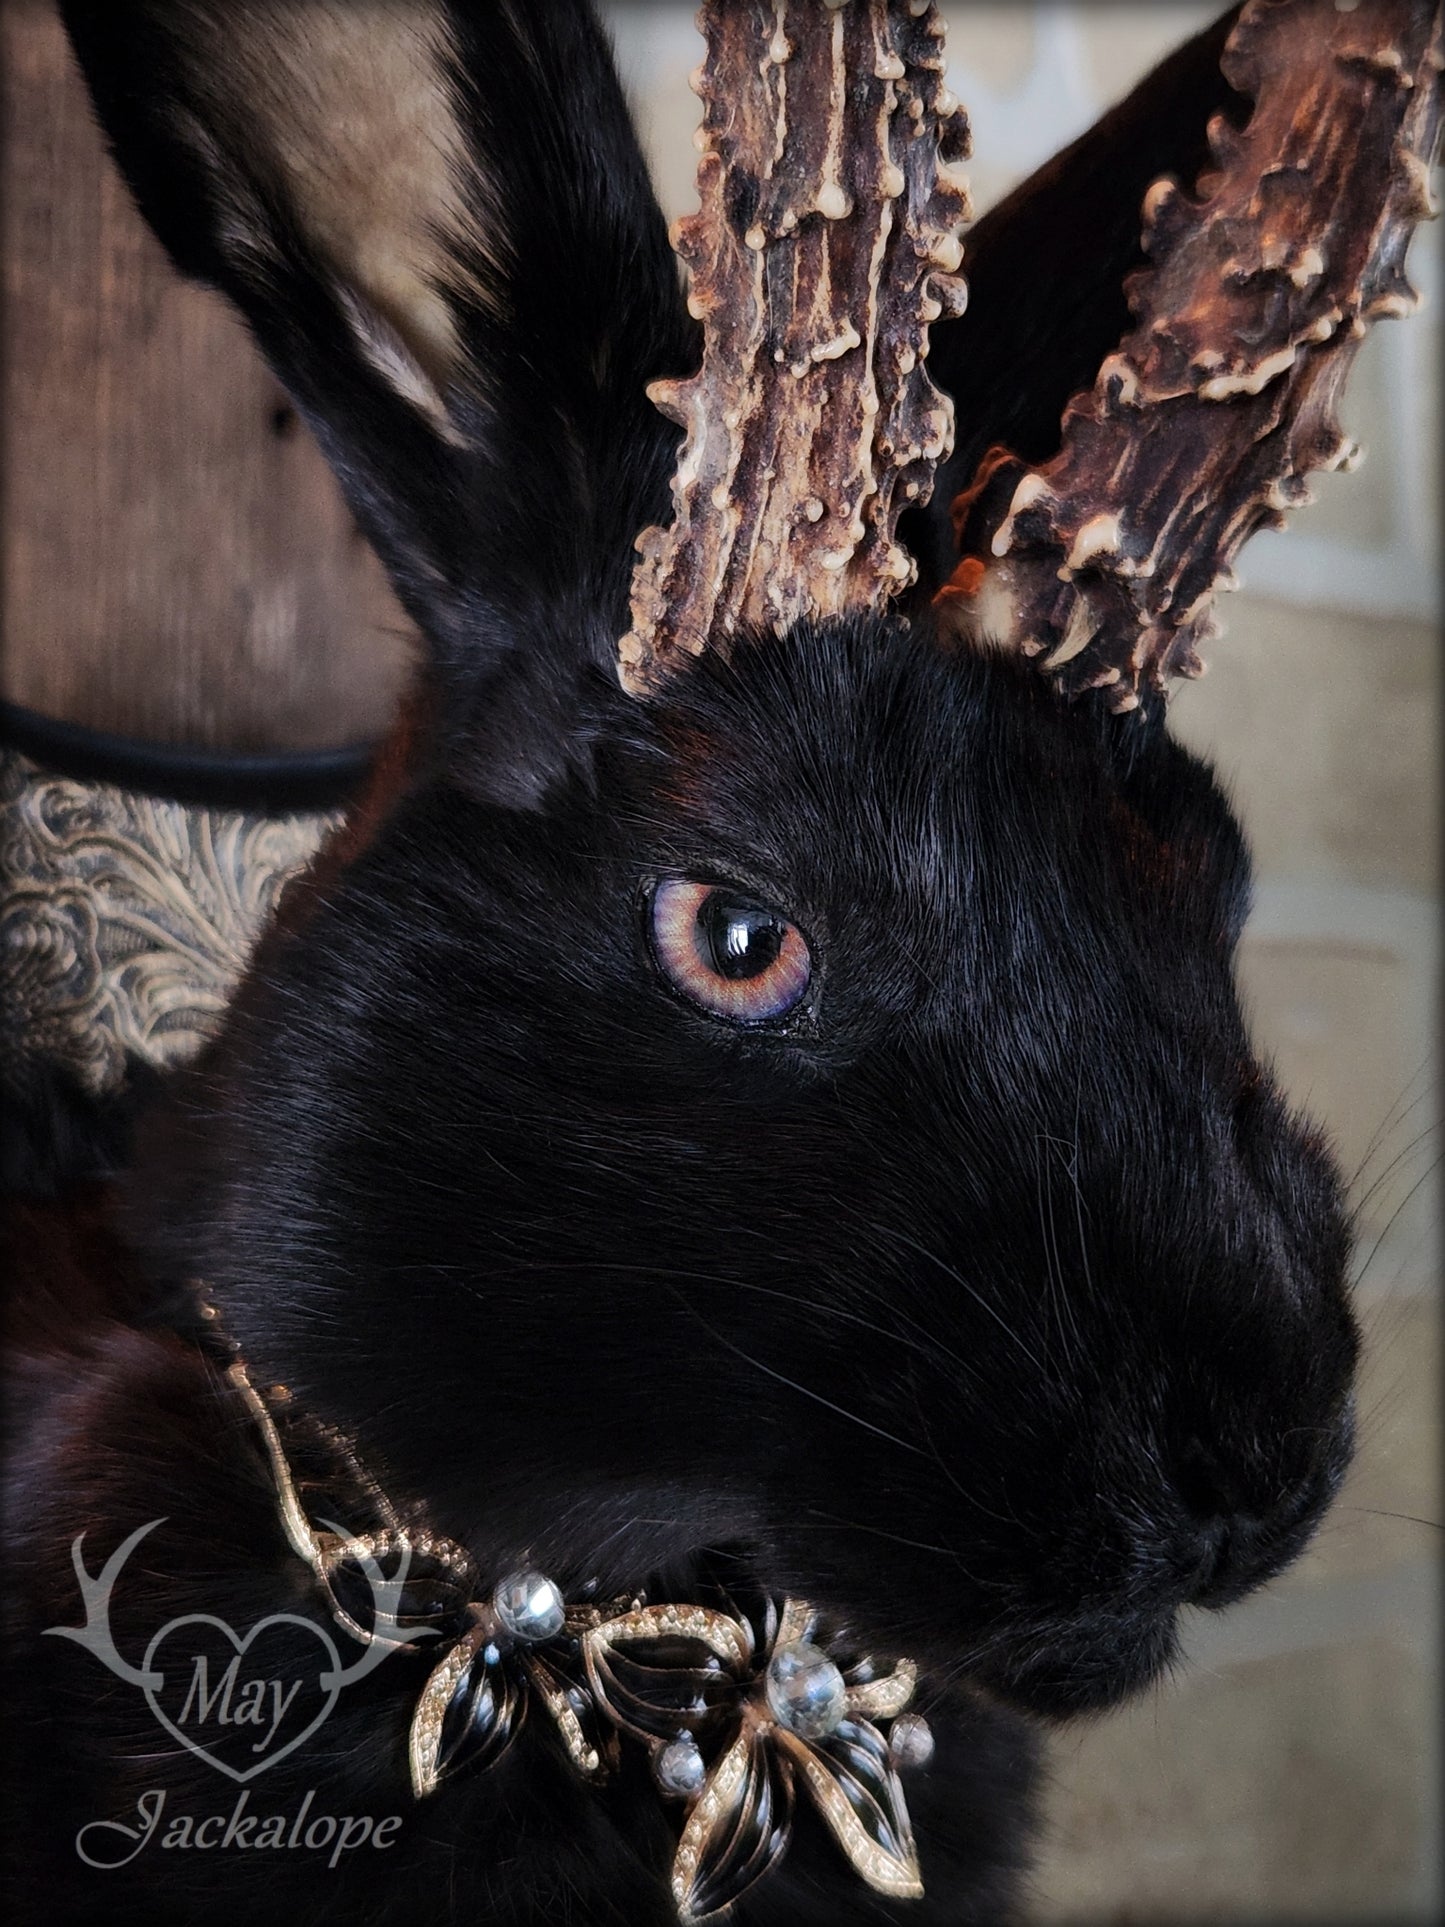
(737, 1703)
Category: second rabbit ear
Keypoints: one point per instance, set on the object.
(438, 224)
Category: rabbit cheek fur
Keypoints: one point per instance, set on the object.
(995, 1301)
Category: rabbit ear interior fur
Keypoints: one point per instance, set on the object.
(345, 125)
(438, 222)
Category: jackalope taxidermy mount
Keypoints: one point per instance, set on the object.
(737, 1211)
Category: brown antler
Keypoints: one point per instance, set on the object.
(825, 244)
(1104, 561)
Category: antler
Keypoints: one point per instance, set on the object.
(824, 246)
(1202, 426)
(95, 1592)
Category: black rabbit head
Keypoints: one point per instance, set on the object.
(804, 1115)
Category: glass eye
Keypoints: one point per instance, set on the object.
(736, 958)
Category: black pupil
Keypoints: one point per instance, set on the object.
(738, 940)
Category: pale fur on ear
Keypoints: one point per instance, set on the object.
(351, 119)
(436, 220)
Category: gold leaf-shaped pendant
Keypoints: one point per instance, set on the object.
(856, 1790)
(659, 1669)
(738, 1828)
(591, 1744)
(728, 1638)
(654, 1691)
(884, 1698)
(468, 1714)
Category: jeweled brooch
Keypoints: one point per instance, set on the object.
(735, 1715)
(737, 1702)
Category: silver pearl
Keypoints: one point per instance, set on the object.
(910, 1741)
(679, 1768)
(805, 1690)
(529, 1606)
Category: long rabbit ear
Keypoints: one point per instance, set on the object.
(437, 221)
(1045, 270)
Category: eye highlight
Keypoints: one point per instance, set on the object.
(724, 951)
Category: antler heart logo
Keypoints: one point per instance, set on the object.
(242, 1703)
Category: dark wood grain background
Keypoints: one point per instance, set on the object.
(177, 561)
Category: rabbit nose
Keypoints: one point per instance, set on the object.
(1229, 1543)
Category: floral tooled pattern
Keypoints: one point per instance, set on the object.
(129, 920)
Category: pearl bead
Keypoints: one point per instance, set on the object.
(679, 1768)
(805, 1690)
(910, 1740)
(529, 1606)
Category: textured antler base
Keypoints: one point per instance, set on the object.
(825, 244)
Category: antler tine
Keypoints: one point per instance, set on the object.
(1104, 561)
(824, 245)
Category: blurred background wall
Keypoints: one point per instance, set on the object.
(178, 564)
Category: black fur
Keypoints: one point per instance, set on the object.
(995, 1301)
